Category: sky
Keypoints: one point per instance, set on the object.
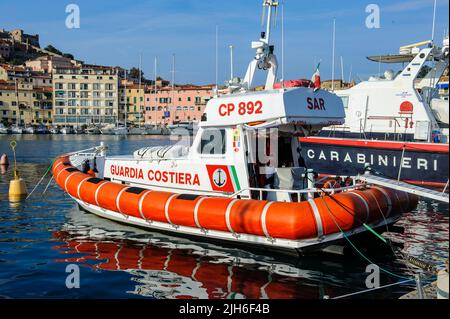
(116, 33)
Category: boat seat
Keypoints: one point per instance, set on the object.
(289, 178)
(161, 152)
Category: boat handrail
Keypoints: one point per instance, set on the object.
(127, 158)
(84, 152)
(298, 192)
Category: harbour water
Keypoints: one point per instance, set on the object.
(41, 236)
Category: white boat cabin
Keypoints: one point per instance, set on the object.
(399, 106)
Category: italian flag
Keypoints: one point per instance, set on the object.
(316, 78)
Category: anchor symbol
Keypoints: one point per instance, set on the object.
(219, 177)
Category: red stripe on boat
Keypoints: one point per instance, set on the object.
(391, 145)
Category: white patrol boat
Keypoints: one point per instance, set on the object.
(242, 179)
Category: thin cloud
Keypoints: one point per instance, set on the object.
(406, 6)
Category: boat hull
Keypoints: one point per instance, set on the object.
(304, 245)
(423, 163)
(294, 226)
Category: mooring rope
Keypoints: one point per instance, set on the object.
(358, 251)
(42, 178)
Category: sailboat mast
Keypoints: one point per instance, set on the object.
(140, 79)
(231, 63)
(126, 102)
(333, 59)
(217, 58)
(173, 86)
(282, 43)
(434, 22)
(154, 85)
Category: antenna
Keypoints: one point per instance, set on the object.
(263, 15)
(334, 47)
(342, 69)
(434, 22)
(269, 4)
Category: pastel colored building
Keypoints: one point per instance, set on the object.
(48, 63)
(85, 95)
(134, 106)
(22, 103)
(181, 104)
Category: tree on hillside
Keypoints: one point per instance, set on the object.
(17, 61)
(134, 73)
(68, 55)
(52, 49)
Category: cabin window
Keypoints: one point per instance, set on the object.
(213, 142)
(345, 101)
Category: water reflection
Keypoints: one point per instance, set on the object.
(426, 232)
(3, 169)
(163, 266)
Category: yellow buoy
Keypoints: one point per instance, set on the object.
(17, 186)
